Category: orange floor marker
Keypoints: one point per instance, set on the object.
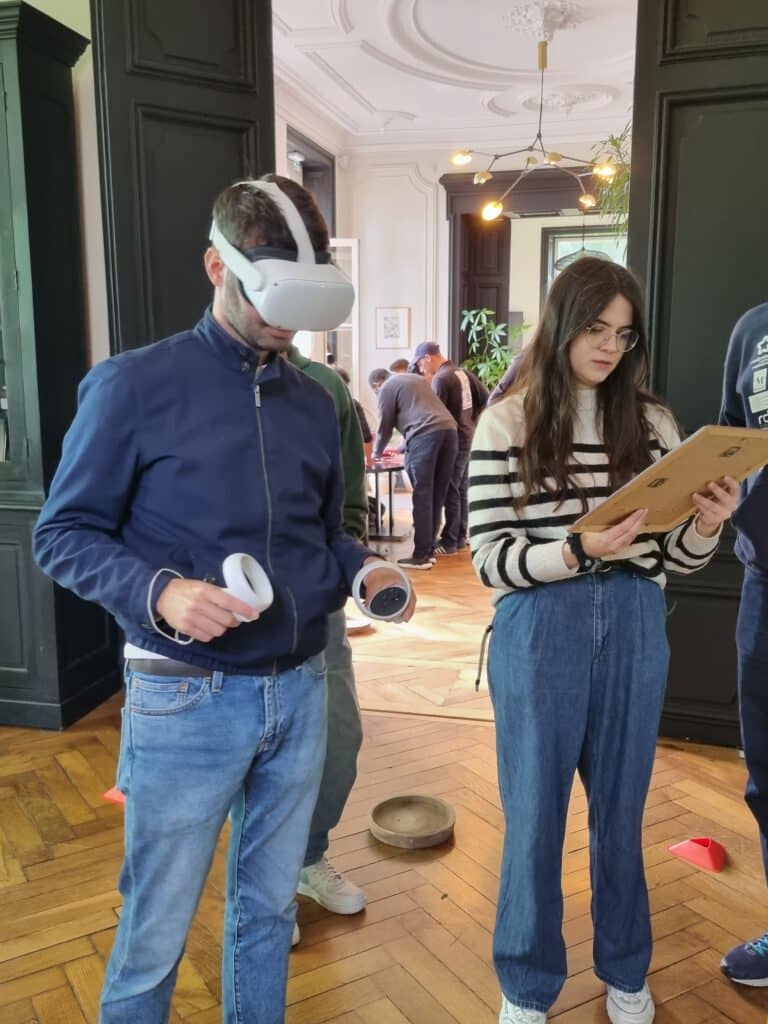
(702, 851)
(114, 795)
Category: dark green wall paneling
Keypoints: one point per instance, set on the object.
(185, 107)
(699, 206)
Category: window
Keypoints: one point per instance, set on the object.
(557, 243)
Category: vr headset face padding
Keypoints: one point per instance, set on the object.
(294, 295)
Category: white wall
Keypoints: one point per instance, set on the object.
(525, 262)
(393, 203)
(75, 14)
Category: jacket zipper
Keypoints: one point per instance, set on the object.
(257, 402)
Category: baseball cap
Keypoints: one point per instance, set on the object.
(425, 348)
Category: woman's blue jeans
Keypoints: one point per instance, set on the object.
(577, 671)
(192, 750)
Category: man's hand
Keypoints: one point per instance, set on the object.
(609, 542)
(717, 506)
(386, 577)
(201, 610)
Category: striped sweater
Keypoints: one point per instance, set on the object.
(513, 550)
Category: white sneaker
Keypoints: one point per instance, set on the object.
(296, 937)
(630, 1007)
(323, 884)
(512, 1014)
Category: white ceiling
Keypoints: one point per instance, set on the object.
(423, 74)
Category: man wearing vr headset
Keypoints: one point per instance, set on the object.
(182, 453)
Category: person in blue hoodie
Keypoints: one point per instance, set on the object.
(745, 404)
(181, 453)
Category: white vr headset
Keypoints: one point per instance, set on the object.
(294, 293)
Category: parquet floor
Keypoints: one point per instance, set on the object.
(436, 653)
(421, 952)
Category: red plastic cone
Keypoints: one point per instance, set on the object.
(114, 795)
(702, 851)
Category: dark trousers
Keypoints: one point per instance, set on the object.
(752, 643)
(429, 461)
(456, 509)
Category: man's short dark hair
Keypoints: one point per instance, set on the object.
(378, 377)
(247, 216)
(399, 366)
(343, 374)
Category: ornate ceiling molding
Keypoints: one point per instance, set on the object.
(571, 97)
(341, 16)
(329, 109)
(540, 19)
(322, 65)
(454, 68)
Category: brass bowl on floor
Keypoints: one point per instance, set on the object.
(413, 821)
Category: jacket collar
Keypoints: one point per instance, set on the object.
(235, 354)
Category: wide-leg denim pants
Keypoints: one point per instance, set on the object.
(577, 671)
(192, 749)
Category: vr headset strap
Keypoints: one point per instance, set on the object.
(240, 265)
(292, 217)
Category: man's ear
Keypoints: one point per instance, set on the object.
(214, 267)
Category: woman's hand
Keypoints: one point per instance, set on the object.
(717, 506)
(609, 542)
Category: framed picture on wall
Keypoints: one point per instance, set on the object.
(393, 327)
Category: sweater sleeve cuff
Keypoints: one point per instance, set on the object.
(546, 563)
(696, 542)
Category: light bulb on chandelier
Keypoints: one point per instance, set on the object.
(492, 210)
(464, 156)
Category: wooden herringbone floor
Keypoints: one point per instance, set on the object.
(421, 952)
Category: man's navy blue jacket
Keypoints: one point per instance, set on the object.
(745, 404)
(182, 453)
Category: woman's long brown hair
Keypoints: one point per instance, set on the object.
(578, 296)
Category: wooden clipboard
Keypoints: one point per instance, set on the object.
(666, 487)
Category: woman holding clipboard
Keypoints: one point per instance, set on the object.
(578, 657)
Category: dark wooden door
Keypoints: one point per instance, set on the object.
(699, 205)
(185, 105)
(484, 270)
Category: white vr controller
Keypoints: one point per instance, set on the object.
(246, 580)
(387, 604)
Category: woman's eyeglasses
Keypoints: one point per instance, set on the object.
(600, 334)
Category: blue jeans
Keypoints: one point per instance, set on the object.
(577, 671)
(456, 509)
(429, 461)
(752, 644)
(192, 749)
(345, 737)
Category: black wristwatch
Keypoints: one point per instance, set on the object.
(577, 550)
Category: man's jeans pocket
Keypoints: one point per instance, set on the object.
(166, 695)
(316, 665)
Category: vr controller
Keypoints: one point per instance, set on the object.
(308, 293)
(247, 581)
(387, 604)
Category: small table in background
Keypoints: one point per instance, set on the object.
(388, 465)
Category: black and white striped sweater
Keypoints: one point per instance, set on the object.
(513, 549)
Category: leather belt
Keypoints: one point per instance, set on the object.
(165, 667)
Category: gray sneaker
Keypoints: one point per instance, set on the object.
(326, 886)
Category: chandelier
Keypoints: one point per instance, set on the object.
(539, 157)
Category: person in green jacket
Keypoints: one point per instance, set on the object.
(319, 879)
